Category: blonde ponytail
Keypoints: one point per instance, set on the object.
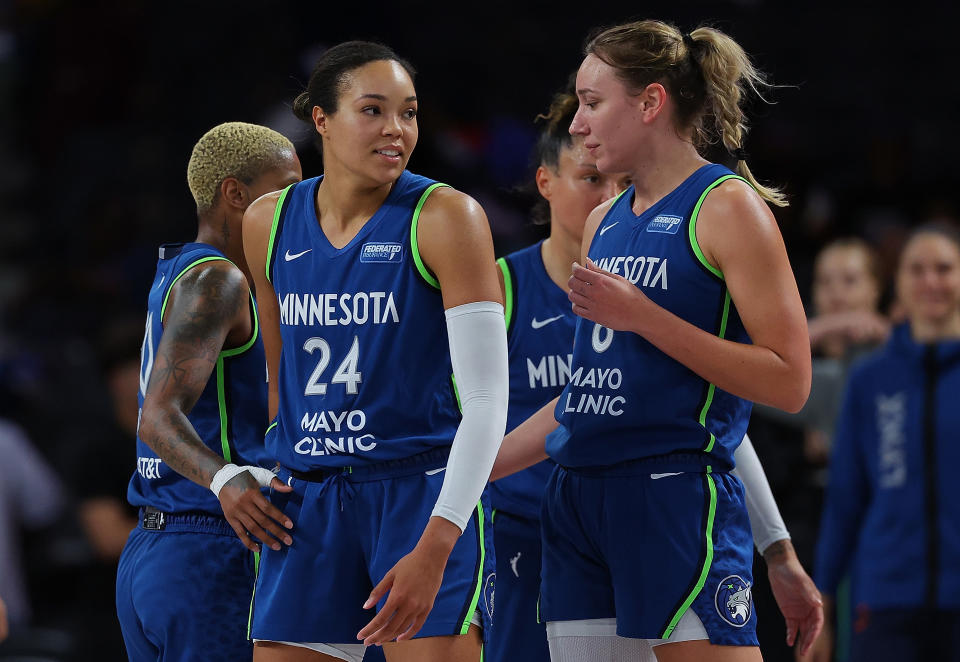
(706, 72)
(728, 73)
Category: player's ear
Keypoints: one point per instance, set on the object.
(544, 178)
(320, 120)
(234, 193)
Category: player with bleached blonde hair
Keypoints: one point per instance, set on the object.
(184, 585)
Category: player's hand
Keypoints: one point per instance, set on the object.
(4, 626)
(796, 595)
(822, 649)
(411, 586)
(251, 515)
(603, 297)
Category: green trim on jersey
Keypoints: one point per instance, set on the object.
(465, 627)
(414, 246)
(692, 225)
(225, 354)
(507, 292)
(707, 561)
(713, 387)
(256, 573)
(222, 405)
(253, 336)
(269, 427)
(456, 393)
(211, 258)
(273, 230)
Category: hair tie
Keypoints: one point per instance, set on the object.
(740, 154)
(689, 40)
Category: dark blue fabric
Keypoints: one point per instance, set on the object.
(183, 594)
(244, 402)
(626, 399)
(348, 533)
(516, 633)
(365, 373)
(540, 347)
(875, 520)
(632, 547)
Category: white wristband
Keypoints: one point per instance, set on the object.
(229, 471)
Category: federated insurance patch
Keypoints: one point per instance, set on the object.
(734, 601)
(665, 224)
(382, 251)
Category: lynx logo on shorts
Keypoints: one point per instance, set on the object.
(489, 588)
(382, 251)
(665, 224)
(734, 601)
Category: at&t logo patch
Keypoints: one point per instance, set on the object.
(382, 251)
(734, 601)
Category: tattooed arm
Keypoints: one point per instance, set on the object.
(208, 310)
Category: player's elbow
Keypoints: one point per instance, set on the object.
(796, 391)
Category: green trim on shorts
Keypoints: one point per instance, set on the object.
(483, 553)
(256, 574)
(707, 562)
(273, 230)
(713, 387)
(414, 246)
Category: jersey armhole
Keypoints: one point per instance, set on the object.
(692, 225)
(430, 279)
(278, 214)
(234, 351)
(509, 295)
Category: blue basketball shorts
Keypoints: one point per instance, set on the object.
(517, 634)
(183, 590)
(643, 542)
(349, 529)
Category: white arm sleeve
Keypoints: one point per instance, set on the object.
(765, 519)
(478, 352)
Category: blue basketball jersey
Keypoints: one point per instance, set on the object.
(365, 373)
(232, 410)
(540, 328)
(626, 399)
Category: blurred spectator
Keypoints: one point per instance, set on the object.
(794, 447)
(104, 513)
(891, 518)
(31, 497)
(847, 284)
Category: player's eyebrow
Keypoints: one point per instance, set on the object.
(380, 97)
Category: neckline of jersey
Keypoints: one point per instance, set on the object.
(654, 209)
(323, 243)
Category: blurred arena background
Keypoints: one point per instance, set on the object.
(100, 103)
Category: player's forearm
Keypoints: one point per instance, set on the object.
(169, 433)
(765, 519)
(752, 372)
(524, 446)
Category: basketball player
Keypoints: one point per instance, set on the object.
(355, 272)
(184, 583)
(684, 270)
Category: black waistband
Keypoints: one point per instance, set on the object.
(154, 519)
